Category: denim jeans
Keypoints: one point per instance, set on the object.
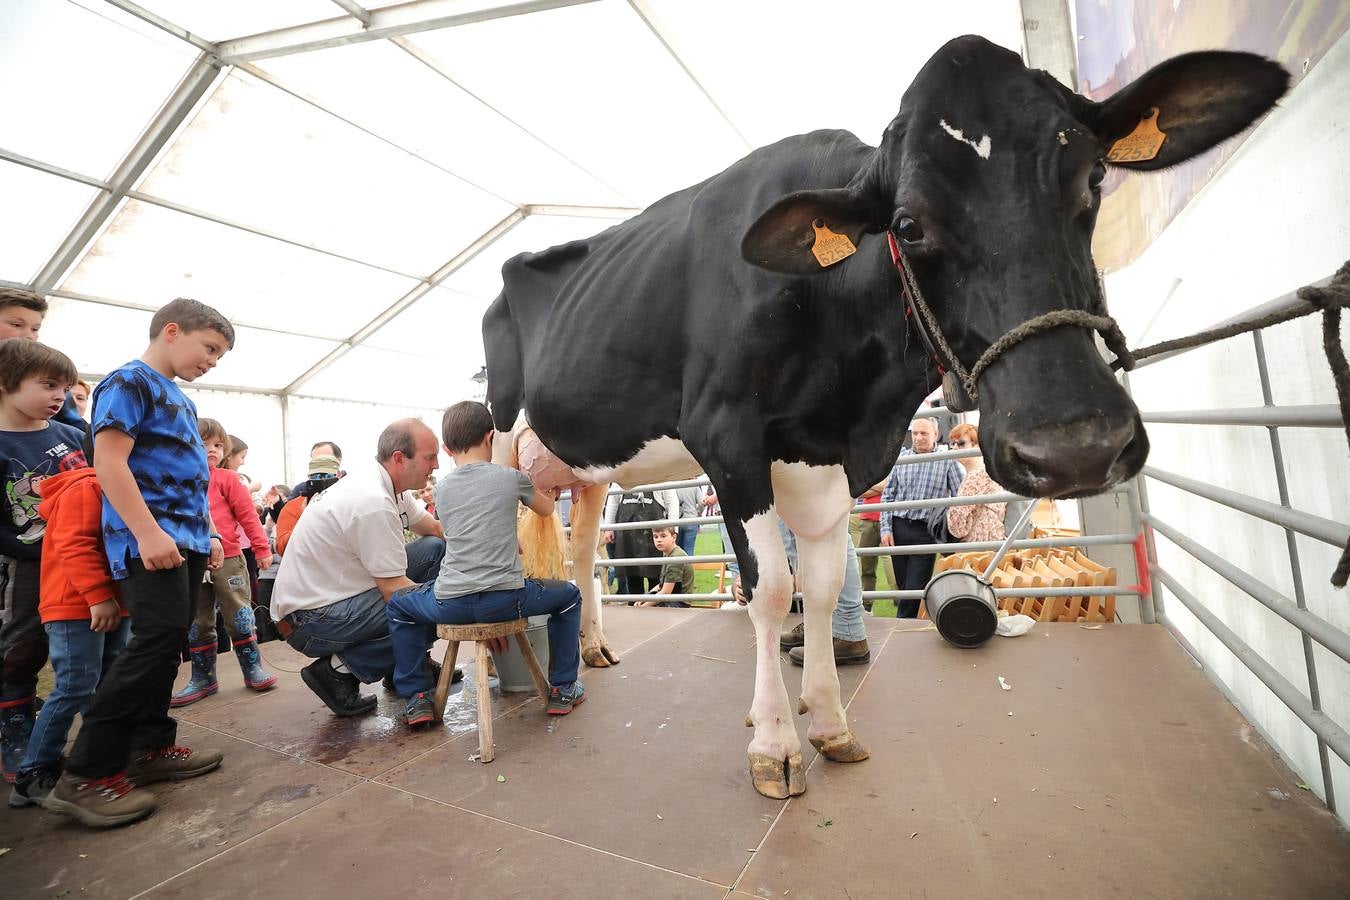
(415, 612)
(846, 623)
(356, 629)
(688, 537)
(130, 712)
(79, 658)
(847, 620)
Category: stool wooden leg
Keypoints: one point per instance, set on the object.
(447, 676)
(485, 749)
(532, 663)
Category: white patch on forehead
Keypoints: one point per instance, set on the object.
(983, 147)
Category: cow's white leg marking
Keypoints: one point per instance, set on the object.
(983, 147)
(814, 501)
(775, 751)
(588, 504)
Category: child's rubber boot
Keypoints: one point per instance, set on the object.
(16, 724)
(202, 684)
(250, 663)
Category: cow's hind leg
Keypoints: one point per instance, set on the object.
(588, 504)
(776, 766)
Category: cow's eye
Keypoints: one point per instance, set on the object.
(1097, 175)
(908, 230)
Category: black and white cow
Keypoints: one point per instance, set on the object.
(703, 335)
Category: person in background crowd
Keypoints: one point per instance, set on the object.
(323, 448)
(79, 395)
(690, 505)
(865, 530)
(916, 481)
(983, 521)
(637, 506)
(677, 576)
(428, 494)
(323, 474)
(21, 316)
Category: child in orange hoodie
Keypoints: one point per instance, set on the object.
(86, 624)
(232, 512)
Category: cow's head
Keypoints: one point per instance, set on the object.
(989, 179)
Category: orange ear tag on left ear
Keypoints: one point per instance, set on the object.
(829, 247)
(1141, 144)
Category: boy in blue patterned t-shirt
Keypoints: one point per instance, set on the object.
(158, 537)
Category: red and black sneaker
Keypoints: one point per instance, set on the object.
(562, 700)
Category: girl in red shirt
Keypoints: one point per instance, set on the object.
(232, 513)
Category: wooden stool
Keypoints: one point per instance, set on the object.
(481, 633)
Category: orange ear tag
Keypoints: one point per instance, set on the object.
(1141, 144)
(829, 247)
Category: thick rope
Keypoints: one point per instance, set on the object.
(1329, 300)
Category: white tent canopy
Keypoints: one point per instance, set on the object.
(345, 182)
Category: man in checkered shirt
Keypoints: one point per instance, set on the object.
(916, 481)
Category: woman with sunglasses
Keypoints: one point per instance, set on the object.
(983, 521)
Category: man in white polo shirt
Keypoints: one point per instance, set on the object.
(347, 556)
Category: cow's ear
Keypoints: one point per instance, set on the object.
(1201, 99)
(781, 239)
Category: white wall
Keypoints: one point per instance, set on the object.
(1275, 218)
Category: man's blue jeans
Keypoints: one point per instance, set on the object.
(356, 629)
(688, 537)
(415, 613)
(846, 622)
(79, 658)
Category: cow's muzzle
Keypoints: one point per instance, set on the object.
(1070, 459)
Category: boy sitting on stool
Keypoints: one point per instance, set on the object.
(481, 577)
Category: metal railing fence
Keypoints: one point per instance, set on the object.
(1330, 735)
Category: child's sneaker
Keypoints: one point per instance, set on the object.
(16, 724)
(562, 700)
(33, 785)
(419, 710)
(171, 763)
(100, 802)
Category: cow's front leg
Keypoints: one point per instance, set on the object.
(776, 766)
(588, 504)
(822, 561)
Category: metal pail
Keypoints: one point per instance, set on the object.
(963, 608)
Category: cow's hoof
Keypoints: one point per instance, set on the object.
(600, 657)
(841, 748)
(777, 778)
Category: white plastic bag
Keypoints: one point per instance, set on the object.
(1014, 626)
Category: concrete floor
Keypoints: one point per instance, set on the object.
(1112, 767)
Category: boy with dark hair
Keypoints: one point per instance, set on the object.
(677, 577)
(481, 577)
(21, 315)
(86, 625)
(33, 383)
(159, 542)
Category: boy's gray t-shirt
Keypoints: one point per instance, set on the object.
(477, 505)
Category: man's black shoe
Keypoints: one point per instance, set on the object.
(341, 691)
(435, 668)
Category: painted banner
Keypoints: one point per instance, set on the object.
(1119, 40)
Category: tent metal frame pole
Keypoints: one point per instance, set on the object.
(460, 259)
(389, 22)
(190, 90)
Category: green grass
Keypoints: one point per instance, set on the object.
(709, 543)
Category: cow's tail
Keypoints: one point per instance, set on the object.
(505, 363)
(542, 545)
